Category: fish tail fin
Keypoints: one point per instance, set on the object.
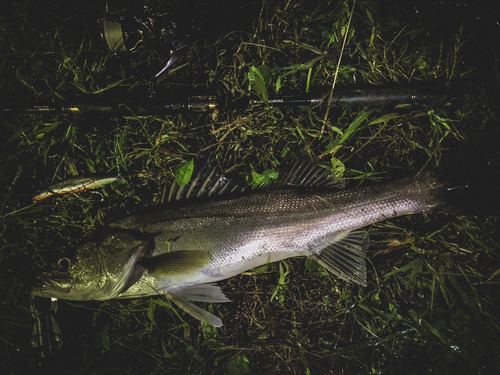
(345, 257)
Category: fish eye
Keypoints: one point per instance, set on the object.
(64, 264)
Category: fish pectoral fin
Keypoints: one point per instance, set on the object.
(198, 293)
(176, 262)
(346, 257)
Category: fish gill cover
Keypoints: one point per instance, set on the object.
(431, 303)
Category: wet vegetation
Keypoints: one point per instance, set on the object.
(432, 302)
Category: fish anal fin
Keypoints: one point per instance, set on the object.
(185, 297)
(346, 257)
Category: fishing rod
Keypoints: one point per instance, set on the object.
(375, 96)
(115, 106)
(125, 31)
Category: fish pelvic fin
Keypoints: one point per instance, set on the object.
(346, 257)
(185, 297)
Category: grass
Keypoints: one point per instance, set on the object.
(431, 304)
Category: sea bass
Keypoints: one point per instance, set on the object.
(182, 248)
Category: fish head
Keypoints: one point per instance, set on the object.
(100, 270)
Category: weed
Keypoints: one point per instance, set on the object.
(431, 303)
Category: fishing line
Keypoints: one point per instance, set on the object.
(330, 99)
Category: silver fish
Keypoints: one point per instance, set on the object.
(181, 249)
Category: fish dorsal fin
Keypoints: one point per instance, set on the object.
(300, 171)
(346, 257)
(206, 183)
(185, 297)
(307, 172)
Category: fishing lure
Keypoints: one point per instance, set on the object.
(73, 185)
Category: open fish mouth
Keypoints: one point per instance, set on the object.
(46, 283)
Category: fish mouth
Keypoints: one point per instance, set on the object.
(46, 285)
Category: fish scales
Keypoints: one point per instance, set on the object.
(413, 195)
(244, 232)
